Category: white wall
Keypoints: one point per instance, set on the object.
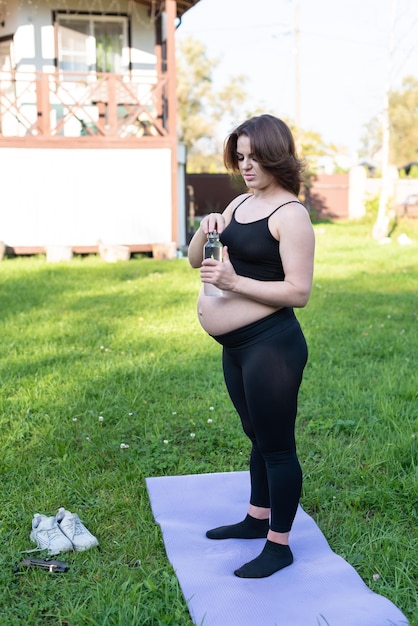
(406, 187)
(76, 197)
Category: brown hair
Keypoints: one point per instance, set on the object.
(272, 145)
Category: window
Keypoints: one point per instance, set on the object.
(92, 43)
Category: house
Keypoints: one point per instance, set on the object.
(88, 142)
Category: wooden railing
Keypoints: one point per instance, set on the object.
(66, 104)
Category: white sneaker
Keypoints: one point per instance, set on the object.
(48, 536)
(75, 531)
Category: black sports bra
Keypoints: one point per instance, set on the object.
(253, 250)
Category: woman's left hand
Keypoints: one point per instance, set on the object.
(219, 273)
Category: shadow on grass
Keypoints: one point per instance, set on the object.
(123, 344)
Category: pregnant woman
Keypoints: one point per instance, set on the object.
(265, 272)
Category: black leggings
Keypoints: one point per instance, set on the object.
(263, 364)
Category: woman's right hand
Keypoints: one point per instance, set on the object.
(211, 222)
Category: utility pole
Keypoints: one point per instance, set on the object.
(297, 69)
(381, 226)
(297, 65)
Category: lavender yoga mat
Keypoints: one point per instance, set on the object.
(318, 589)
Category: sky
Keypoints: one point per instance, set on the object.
(347, 53)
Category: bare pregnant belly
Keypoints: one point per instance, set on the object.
(219, 315)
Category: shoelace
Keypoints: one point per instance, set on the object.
(56, 529)
(75, 526)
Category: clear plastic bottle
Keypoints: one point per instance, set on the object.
(212, 250)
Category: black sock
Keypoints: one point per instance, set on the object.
(274, 556)
(249, 528)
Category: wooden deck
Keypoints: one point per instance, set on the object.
(86, 109)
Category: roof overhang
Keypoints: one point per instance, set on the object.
(158, 5)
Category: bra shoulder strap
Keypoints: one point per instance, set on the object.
(284, 204)
(242, 202)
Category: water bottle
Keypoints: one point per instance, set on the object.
(212, 250)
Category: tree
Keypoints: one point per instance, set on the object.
(201, 108)
(403, 120)
(371, 140)
(403, 111)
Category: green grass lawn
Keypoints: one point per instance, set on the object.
(97, 355)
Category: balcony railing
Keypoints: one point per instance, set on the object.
(66, 104)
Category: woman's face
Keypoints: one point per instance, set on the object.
(251, 171)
